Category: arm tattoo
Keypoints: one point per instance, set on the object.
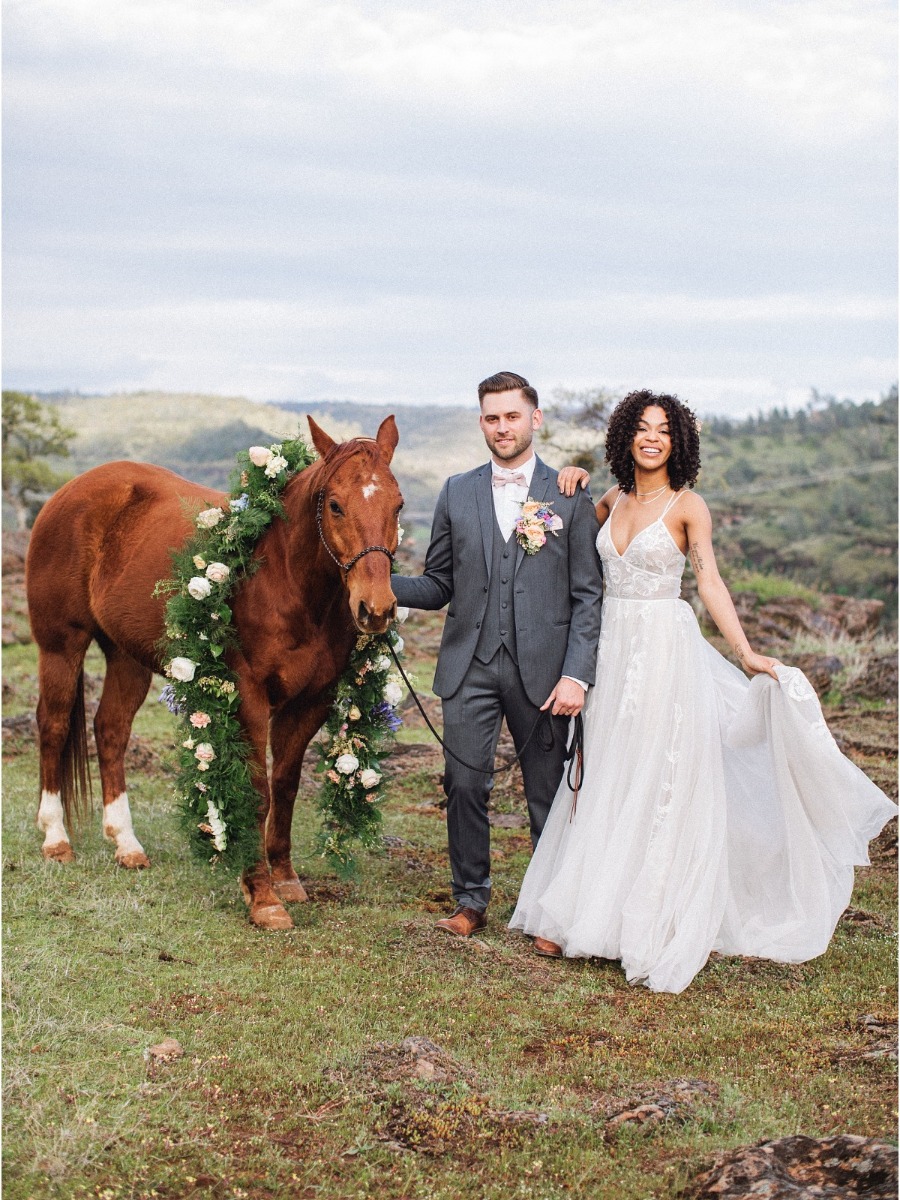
(740, 652)
(696, 559)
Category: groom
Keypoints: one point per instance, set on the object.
(520, 635)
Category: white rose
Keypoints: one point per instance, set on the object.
(402, 614)
(199, 588)
(398, 645)
(209, 518)
(259, 455)
(369, 778)
(275, 465)
(182, 669)
(393, 693)
(346, 764)
(383, 663)
(217, 572)
(217, 825)
(400, 533)
(205, 752)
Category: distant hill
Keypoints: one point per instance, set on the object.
(197, 436)
(810, 497)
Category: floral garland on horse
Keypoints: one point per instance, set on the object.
(214, 786)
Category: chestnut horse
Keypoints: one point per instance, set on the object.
(97, 550)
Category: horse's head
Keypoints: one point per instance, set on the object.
(358, 506)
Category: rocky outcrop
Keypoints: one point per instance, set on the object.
(830, 617)
(801, 1168)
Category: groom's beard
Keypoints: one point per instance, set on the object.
(516, 445)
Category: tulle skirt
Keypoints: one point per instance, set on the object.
(716, 812)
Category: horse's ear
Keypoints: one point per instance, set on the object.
(387, 438)
(322, 442)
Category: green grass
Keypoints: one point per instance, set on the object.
(278, 1093)
(771, 587)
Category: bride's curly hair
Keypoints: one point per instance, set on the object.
(684, 430)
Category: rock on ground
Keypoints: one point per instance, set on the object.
(801, 1168)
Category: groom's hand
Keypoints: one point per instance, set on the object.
(567, 699)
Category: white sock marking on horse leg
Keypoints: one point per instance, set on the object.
(50, 819)
(117, 826)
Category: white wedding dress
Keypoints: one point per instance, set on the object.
(716, 812)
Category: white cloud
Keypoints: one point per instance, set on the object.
(297, 197)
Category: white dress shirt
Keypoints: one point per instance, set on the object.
(508, 500)
(508, 503)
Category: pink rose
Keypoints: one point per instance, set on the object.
(200, 720)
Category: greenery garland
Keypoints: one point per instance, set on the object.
(214, 786)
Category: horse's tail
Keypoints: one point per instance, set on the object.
(75, 788)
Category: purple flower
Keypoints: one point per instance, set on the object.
(168, 698)
(240, 504)
(384, 714)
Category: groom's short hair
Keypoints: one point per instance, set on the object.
(508, 381)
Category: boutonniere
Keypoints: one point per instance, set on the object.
(537, 520)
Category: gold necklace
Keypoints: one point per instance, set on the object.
(654, 495)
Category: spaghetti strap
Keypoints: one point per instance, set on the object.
(672, 502)
(615, 502)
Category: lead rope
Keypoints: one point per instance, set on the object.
(575, 759)
(575, 746)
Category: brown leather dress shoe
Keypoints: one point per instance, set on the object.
(547, 949)
(464, 922)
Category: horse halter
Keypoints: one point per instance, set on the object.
(320, 508)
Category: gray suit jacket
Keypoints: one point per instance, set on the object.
(557, 590)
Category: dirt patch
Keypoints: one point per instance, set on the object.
(420, 860)
(657, 1104)
(874, 1037)
(192, 1003)
(443, 1108)
(327, 891)
(459, 1126)
(415, 1058)
(800, 1168)
(883, 850)
(568, 1045)
(409, 759)
(858, 920)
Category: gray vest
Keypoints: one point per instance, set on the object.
(499, 624)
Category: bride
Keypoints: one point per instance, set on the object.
(715, 813)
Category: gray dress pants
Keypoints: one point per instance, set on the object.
(472, 719)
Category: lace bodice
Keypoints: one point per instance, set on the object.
(650, 569)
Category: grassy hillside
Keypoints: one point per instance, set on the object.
(810, 497)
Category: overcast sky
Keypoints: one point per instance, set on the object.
(290, 199)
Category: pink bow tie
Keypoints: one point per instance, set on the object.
(515, 477)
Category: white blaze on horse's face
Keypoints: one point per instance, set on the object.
(370, 488)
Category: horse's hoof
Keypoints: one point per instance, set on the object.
(291, 891)
(135, 860)
(61, 852)
(270, 916)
